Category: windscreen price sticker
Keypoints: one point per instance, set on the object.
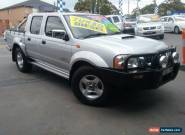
(88, 24)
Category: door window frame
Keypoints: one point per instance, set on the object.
(40, 25)
(171, 19)
(47, 17)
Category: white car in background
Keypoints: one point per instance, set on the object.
(175, 23)
(129, 24)
(116, 20)
(149, 25)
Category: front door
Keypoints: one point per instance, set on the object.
(55, 50)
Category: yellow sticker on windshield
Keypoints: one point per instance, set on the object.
(155, 18)
(84, 23)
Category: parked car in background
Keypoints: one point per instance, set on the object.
(149, 25)
(175, 23)
(116, 20)
(129, 24)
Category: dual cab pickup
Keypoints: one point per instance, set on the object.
(91, 53)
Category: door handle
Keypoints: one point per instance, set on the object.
(29, 39)
(43, 42)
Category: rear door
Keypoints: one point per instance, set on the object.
(33, 37)
(55, 50)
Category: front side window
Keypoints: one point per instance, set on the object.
(86, 26)
(170, 20)
(36, 25)
(54, 25)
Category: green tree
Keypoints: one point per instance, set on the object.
(84, 5)
(164, 8)
(172, 5)
(149, 9)
(103, 7)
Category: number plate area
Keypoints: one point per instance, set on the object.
(167, 71)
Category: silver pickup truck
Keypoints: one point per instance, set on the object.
(91, 53)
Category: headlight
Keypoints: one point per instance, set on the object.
(175, 57)
(133, 63)
(118, 62)
(137, 62)
(163, 61)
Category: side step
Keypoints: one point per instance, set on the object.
(52, 69)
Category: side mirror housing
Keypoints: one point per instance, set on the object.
(60, 34)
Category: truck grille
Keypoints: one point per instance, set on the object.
(152, 60)
(149, 28)
(149, 33)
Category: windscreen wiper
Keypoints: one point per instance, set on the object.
(95, 35)
(128, 37)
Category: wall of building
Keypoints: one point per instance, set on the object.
(15, 15)
(4, 24)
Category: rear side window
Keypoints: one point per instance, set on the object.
(22, 26)
(116, 19)
(53, 23)
(36, 25)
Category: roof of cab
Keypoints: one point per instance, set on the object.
(64, 13)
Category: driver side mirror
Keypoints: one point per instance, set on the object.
(60, 34)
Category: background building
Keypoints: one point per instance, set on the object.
(16, 13)
(13, 15)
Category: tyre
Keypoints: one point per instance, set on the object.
(89, 87)
(161, 37)
(176, 30)
(21, 61)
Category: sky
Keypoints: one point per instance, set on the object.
(70, 3)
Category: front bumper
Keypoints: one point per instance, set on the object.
(149, 79)
(149, 33)
(128, 28)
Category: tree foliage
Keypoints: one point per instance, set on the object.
(164, 8)
(175, 5)
(149, 9)
(103, 7)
